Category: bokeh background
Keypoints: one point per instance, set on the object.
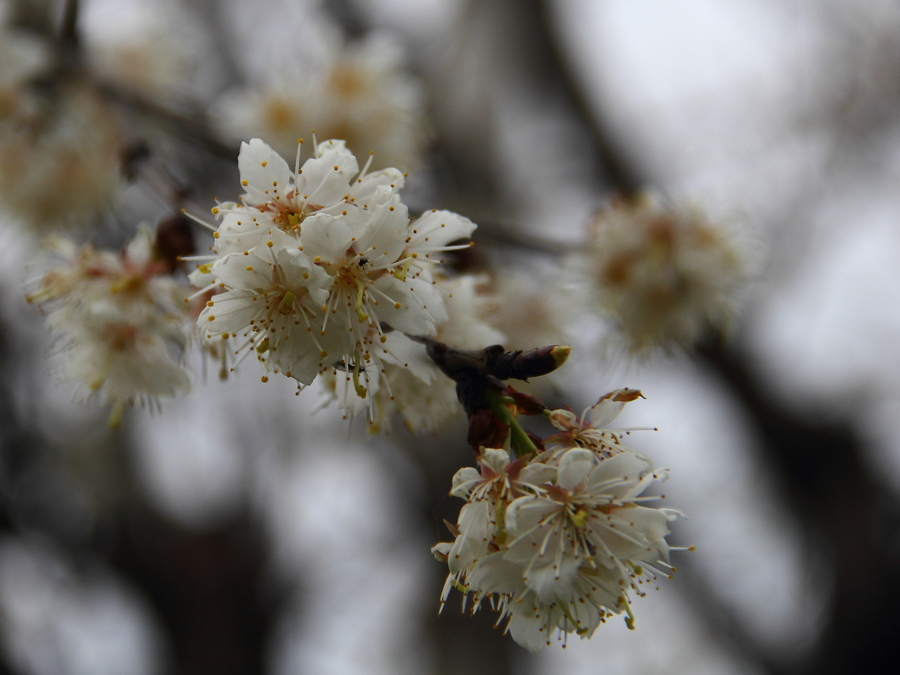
(234, 531)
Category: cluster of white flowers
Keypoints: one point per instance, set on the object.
(316, 266)
(665, 274)
(60, 157)
(556, 542)
(154, 47)
(359, 93)
(118, 320)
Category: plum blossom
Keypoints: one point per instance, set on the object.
(665, 275)
(589, 431)
(360, 93)
(118, 320)
(558, 542)
(315, 267)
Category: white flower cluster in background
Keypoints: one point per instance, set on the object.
(118, 320)
(154, 47)
(360, 93)
(60, 156)
(556, 542)
(317, 266)
(666, 275)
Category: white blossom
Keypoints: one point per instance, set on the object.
(151, 46)
(359, 93)
(590, 430)
(118, 321)
(272, 302)
(60, 157)
(315, 267)
(557, 543)
(664, 274)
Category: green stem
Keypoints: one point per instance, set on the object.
(521, 444)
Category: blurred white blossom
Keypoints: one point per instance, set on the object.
(665, 275)
(60, 156)
(151, 46)
(118, 321)
(358, 92)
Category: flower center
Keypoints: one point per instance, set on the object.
(354, 278)
(120, 336)
(287, 216)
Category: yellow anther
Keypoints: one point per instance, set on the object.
(580, 518)
(360, 389)
(360, 314)
(401, 273)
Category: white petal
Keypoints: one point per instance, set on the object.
(537, 474)
(552, 576)
(464, 480)
(496, 459)
(529, 624)
(574, 467)
(436, 229)
(410, 317)
(326, 237)
(366, 192)
(494, 574)
(384, 238)
(267, 175)
(610, 405)
(231, 312)
(244, 271)
(325, 179)
(241, 230)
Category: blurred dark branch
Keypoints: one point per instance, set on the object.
(68, 30)
(210, 589)
(721, 623)
(620, 169)
(345, 14)
(14, 445)
(824, 478)
(193, 128)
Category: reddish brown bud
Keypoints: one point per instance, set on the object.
(528, 404)
(533, 363)
(485, 430)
